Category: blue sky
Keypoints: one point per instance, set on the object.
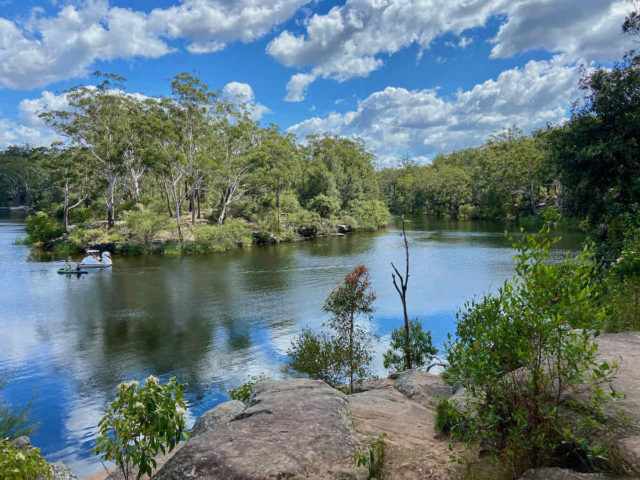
(411, 77)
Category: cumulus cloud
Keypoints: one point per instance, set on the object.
(40, 50)
(351, 40)
(243, 93)
(396, 121)
(297, 87)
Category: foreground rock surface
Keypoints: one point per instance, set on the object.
(560, 474)
(292, 429)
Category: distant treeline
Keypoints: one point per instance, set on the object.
(587, 169)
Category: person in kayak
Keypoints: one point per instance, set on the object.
(78, 268)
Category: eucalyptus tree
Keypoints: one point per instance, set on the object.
(135, 142)
(236, 140)
(193, 106)
(70, 176)
(96, 119)
(279, 163)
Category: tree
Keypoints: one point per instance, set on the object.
(95, 119)
(279, 163)
(415, 345)
(597, 152)
(70, 175)
(348, 301)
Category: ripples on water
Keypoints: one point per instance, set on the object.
(209, 320)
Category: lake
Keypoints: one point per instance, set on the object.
(211, 320)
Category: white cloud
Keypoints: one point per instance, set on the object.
(351, 40)
(40, 50)
(396, 121)
(297, 87)
(243, 93)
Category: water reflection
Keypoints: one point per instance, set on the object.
(210, 320)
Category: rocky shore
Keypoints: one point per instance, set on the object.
(304, 429)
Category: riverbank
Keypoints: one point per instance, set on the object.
(145, 232)
(305, 429)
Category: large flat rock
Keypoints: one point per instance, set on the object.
(295, 429)
(414, 452)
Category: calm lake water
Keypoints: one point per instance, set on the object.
(210, 320)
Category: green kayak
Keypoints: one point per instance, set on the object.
(64, 271)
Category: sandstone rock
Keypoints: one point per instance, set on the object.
(223, 413)
(560, 474)
(297, 429)
(414, 450)
(423, 387)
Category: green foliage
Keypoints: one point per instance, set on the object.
(320, 356)
(345, 355)
(521, 352)
(597, 154)
(348, 301)
(622, 287)
(324, 205)
(373, 457)
(81, 239)
(421, 349)
(14, 421)
(40, 228)
(369, 214)
(243, 392)
(22, 464)
(452, 420)
(219, 238)
(144, 225)
(141, 422)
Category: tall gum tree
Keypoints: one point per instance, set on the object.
(95, 119)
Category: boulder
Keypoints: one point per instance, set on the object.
(298, 429)
(223, 413)
(423, 387)
(560, 474)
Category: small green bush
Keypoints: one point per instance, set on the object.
(81, 239)
(324, 205)
(421, 349)
(14, 422)
(243, 392)
(22, 464)
(521, 352)
(466, 211)
(370, 214)
(140, 423)
(145, 225)
(40, 228)
(219, 238)
(451, 420)
(373, 457)
(320, 356)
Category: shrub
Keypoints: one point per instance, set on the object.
(141, 422)
(320, 356)
(373, 457)
(243, 392)
(14, 422)
(219, 238)
(81, 238)
(421, 349)
(22, 464)
(622, 283)
(520, 354)
(144, 225)
(466, 211)
(40, 228)
(450, 419)
(324, 205)
(370, 214)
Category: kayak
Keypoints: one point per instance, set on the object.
(63, 271)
